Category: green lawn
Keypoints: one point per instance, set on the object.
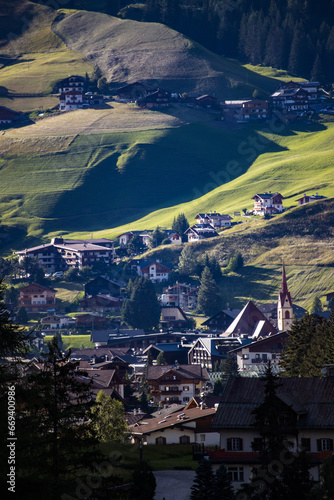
(73, 341)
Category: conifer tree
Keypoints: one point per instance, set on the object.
(142, 310)
(161, 359)
(156, 238)
(222, 487)
(202, 488)
(187, 261)
(209, 298)
(180, 225)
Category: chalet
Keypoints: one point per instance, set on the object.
(222, 320)
(134, 91)
(200, 232)
(173, 317)
(183, 427)
(90, 321)
(206, 101)
(215, 219)
(74, 82)
(257, 109)
(107, 381)
(180, 294)
(174, 238)
(57, 322)
(306, 415)
(267, 203)
(309, 199)
(103, 286)
(100, 304)
(206, 351)
(93, 99)
(250, 322)
(172, 352)
(156, 271)
(126, 237)
(72, 99)
(254, 357)
(233, 110)
(8, 116)
(37, 298)
(60, 254)
(312, 88)
(176, 383)
(291, 99)
(158, 99)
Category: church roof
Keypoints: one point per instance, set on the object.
(252, 322)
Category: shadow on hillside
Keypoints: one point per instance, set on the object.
(278, 127)
(181, 166)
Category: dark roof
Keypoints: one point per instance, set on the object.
(311, 398)
(184, 371)
(267, 196)
(8, 114)
(252, 322)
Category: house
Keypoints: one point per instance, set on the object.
(103, 337)
(312, 88)
(8, 116)
(233, 110)
(309, 199)
(172, 352)
(72, 99)
(90, 321)
(222, 320)
(267, 203)
(250, 322)
(215, 219)
(200, 232)
(206, 351)
(257, 109)
(60, 254)
(253, 357)
(104, 286)
(176, 383)
(174, 238)
(206, 101)
(180, 294)
(73, 82)
(329, 297)
(134, 91)
(100, 304)
(126, 237)
(173, 317)
(291, 99)
(306, 416)
(93, 99)
(158, 99)
(184, 427)
(156, 271)
(37, 298)
(57, 322)
(107, 381)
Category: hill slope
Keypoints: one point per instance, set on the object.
(127, 51)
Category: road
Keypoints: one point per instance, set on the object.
(173, 484)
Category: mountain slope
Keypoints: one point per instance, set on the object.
(127, 51)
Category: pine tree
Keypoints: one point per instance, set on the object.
(222, 487)
(230, 365)
(316, 306)
(180, 225)
(202, 488)
(187, 261)
(209, 298)
(156, 238)
(144, 483)
(309, 347)
(142, 310)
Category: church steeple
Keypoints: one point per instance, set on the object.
(284, 306)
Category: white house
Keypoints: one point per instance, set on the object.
(215, 219)
(267, 203)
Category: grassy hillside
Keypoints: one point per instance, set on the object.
(139, 179)
(127, 51)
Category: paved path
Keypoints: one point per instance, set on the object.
(173, 484)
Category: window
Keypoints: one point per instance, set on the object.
(202, 437)
(287, 315)
(305, 444)
(325, 444)
(184, 439)
(236, 474)
(186, 399)
(245, 356)
(234, 444)
(186, 387)
(160, 440)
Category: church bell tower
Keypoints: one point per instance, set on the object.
(284, 306)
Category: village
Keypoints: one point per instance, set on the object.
(180, 384)
(291, 101)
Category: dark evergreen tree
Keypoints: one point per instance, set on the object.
(144, 483)
(218, 387)
(142, 310)
(135, 246)
(156, 238)
(230, 365)
(209, 297)
(316, 306)
(222, 486)
(180, 225)
(187, 261)
(55, 443)
(309, 347)
(202, 488)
